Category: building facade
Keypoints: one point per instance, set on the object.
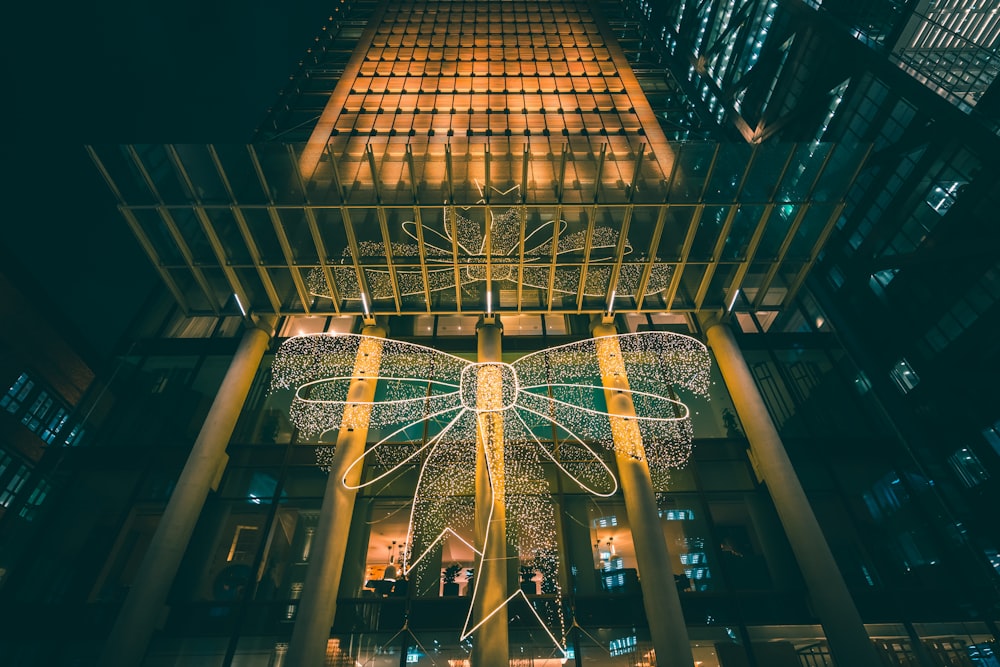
(453, 197)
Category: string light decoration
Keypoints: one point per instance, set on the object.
(546, 407)
(504, 229)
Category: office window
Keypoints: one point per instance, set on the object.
(992, 435)
(244, 544)
(778, 401)
(11, 401)
(994, 556)
(35, 500)
(880, 280)
(54, 425)
(968, 468)
(14, 485)
(38, 411)
(862, 384)
(75, 436)
(965, 313)
(943, 194)
(904, 376)
(5, 461)
(886, 496)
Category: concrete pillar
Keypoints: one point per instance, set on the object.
(318, 604)
(659, 594)
(489, 642)
(849, 642)
(144, 607)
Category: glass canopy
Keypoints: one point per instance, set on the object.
(560, 224)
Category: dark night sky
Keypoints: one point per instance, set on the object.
(120, 71)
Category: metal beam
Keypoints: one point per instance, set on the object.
(453, 223)
(248, 240)
(588, 239)
(384, 227)
(720, 242)
(561, 174)
(345, 216)
(675, 280)
(318, 245)
(654, 244)
(790, 236)
(419, 224)
(523, 226)
(555, 255)
(279, 230)
(213, 237)
(321, 253)
(716, 251)
(488, 241)
(623, 234)
(737, 281)
(800, 277)
(147, 245)
(772, 270)
(175, 234)
(744, 267)
(140, 234)
(352, 243)
(560, 189)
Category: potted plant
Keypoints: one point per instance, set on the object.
(528, 585)
(448, 576)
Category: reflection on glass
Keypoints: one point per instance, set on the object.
(687, 536)
(740, 550)
(789, 645)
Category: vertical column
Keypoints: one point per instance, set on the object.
(144, 606)
(318, 605)
(849, 642)
(489, 645)
(659, 594)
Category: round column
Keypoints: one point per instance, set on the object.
(659, 594)
(318, 605)
(489, 642)
(145, 605)
(845, 632)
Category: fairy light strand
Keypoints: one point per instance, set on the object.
(504, 229)
(436, 404)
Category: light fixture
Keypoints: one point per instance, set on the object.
(391, 572)
(240, 304)
(732, 300)
(364, 306)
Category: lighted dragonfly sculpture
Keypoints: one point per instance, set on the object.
(439, 243)
(549, 406)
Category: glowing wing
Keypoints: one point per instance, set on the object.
(414, 382)
(565, 383)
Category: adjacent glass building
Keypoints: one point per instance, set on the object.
(808, 188)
